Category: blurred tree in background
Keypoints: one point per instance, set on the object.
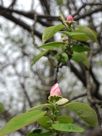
(23, 85)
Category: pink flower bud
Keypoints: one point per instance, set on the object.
(55, 90)
(70, 19)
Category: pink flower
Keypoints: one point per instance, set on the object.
(70, 19)
(55, 90)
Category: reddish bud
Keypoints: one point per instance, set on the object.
(70, 19)
(55, 90)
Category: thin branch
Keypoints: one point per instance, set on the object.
(97, 85)
(84, 5)
(26, 94)
(29, 15)
(12, 4)
(79, 96)
(89, 13)
(47, 17)
(21, 23)
(45, 6)
(78, 74)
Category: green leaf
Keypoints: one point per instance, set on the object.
(21, 121)
(80, 48)
(50, 31)
(67, 127)
(41, 54)
(52, 45)
(40, 107)
(1, 108)
(81, 58)
(62, 57)
(88, 31)
(80, 36)
(45, 122)
(84, 111)
(64, 119)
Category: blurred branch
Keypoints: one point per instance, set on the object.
(78, 74)
(6, 12)
(45, 6)
(79, 96)
(22, 84)
(19, 22)
(28, 14)
(26, 94)
(84, 5)
(89, 13)
(96, 82)
(12, 4)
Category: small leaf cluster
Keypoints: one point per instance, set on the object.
(74, 44)
(50, 119)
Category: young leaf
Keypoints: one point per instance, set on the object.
(52, 45)
(67, 127)
(80, 36)
(88, 31)
(41, 54)
(84, 111)
(62, 57)
(80, 48)
(21, 121)
(50, 31)
(81, 57)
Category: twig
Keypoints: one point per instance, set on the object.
(89, 13)
(33, 29)
(84, 5)
(78, 74)
(79, 96)
(26, 94)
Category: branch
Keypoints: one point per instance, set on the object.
(78, 74)
(97, 85)
(21, 24)
(79, 96)
(45, 6)
(89, 13)
(29, 15)
(84, 5)
(12, 4)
